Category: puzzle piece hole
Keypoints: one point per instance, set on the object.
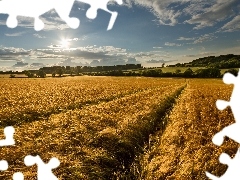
(229, 78)
(18, 176)
(3, 165)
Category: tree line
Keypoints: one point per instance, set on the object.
(188, 73)
(211, 72)
(221, 62)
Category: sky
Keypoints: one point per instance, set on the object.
(150, 32)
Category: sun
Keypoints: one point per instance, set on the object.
(64, 43)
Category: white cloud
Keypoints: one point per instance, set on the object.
(74, 39)
(156, 61)
(197, 7)
(161, 8)
(39, 36)
(172, 44)
(13, 54)
(15, 34)
(219, 11)
(201, 54)
(87, 52)
(233, 25)
(185, 39)
(201, 13)
(13, 51)
(204, 38)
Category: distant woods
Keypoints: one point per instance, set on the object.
(207, 67)
(222, 62)
(156, 72)
(188, 73)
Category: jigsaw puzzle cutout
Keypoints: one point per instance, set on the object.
(231, 131)
(8, 141)
(18, 176)
(101, 4)
(232, 172)
(44, 170)
(3, 165)
(36, 8)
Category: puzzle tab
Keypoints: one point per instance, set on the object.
(44, 170)
(101, 4)
(9, 140)
(3, 165)
(232, 172)
(231, 131)
(36, 8)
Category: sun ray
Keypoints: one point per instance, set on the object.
(65, 43)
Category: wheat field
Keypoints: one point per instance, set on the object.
(115, 127)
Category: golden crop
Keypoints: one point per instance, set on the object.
(32, 98)
(93, 125)
(114, 128)
(185, 149)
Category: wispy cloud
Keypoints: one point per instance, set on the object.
(156, 61)
(15, 34)
(216, 13)
(233, 25)
(13, 54)
(161, 8)
(204, 38)
(202, 13)
(201, 54)
(171, 44)
(185, 39)
(39, 36)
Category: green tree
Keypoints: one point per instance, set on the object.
(178, 71)
(208, 73)
(12, 75)
(71, 73)
(214, 72)
(54, 74)
(232, 71)
(188, 73)
(60, 72)
(29, 74)
(41, 74)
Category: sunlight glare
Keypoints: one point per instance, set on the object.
(64, 43)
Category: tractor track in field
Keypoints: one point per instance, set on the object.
(158, 127)
(158, 124)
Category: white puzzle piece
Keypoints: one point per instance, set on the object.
(232, 172)
(100, 4)
(3, 165)
(8, 141)
(231, 131)
(18, 176)
(36, 8)
(44, 170)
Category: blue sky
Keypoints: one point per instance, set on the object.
(149, 32)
